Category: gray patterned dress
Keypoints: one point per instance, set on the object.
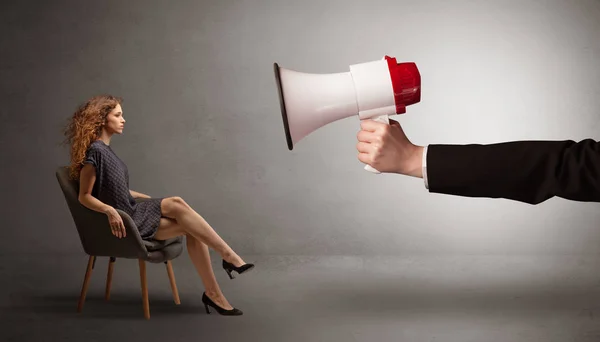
(112, 188)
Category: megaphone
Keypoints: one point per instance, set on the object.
(372, 90)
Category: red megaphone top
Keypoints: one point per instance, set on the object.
(406, 82)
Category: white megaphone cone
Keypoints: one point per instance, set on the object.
(373, 90)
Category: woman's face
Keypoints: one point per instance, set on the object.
(115, 121)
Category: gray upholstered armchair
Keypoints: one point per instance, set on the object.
(98, 241)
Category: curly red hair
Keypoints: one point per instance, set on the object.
(85, 126)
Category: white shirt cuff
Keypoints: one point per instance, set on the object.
(424, 166)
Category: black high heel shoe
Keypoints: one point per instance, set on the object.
(208, 302)
(228, 267)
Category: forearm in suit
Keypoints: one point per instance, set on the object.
(526, 171)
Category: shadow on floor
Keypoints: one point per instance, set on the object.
(118, 306)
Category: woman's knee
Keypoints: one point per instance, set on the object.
(173, 206)
(178, 201)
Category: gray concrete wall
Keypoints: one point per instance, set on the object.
(203, 118)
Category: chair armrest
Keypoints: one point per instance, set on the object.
(97, 238)
(131, 233)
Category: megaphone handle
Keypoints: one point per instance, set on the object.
(383, 119)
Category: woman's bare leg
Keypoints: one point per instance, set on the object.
(200, 257)
(195, 225)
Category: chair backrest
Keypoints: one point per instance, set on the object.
(93, 227)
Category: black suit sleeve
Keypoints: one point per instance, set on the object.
(526, 171)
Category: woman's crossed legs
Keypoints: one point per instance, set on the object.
(180, 219)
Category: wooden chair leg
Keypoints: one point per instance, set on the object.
(144, 282)
(111, 264)
(172, 281)
(86, 282)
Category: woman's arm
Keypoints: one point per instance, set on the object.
(86, 184)
(87, 178)
(136, 194)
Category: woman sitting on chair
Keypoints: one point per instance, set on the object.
(104, 187)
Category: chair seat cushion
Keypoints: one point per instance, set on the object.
(168, 252)
(163, 250)
(155, 245)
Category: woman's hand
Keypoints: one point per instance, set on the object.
(116, 222)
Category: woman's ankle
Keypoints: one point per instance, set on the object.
(232, 257)
(214, 293)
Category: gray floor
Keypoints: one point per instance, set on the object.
(416, 299)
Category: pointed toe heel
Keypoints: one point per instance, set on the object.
(209, 303)
(229, 267)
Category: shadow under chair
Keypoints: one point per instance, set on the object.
(97, 240)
